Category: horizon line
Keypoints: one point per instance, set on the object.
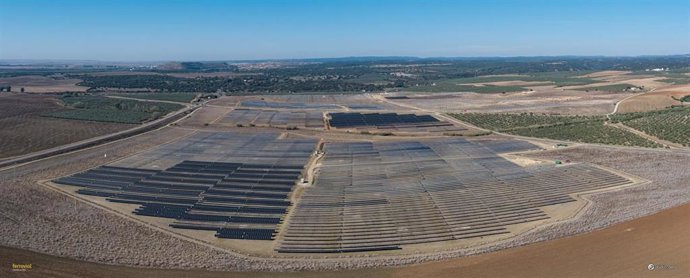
(373, 57)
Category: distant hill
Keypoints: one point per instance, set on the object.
(196, 66)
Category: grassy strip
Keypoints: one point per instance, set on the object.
(503, 122)
(103, 109)
(676, 81)
(559, 79)
(449, 86)
(610, 88)
(176, 97)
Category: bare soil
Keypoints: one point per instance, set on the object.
(43, 84)
(658, 99)
(543, 99)
(23, 130)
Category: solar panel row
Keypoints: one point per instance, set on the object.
(373, 195)
(391, 122)
(255, 234)
(198, 193)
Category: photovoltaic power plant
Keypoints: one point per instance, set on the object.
(343, 120)
(382, 196)
(243, 194)
(246, 117)
(389, 121)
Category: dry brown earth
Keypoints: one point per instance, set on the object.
(543, 99)
(23, 130)
(655, 100)
(43, 84)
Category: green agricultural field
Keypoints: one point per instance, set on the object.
(561, 79)
(176, 97)
(466, 84)
(671, 124)
(585, 129)
(587, 132)
(450, 86)
(104, 109)
(677, 77)
(676, 81)
(546, 78)
(609, 88)
(504, 122)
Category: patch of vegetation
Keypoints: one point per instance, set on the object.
(585, 129)
(449, 86)
(104, 109)
(587, 132)
(676, 81)
(613, 88)
(558, 78)
(176, 97)
(504, 122)
(671, 124)
(561, 79)
(260, 83)
(685, 98)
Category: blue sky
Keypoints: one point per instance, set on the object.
(149, 30)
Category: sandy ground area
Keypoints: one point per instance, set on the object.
(43, 84)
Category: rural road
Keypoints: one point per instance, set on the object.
(153, 125)
(615, 107)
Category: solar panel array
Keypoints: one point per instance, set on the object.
(382, 196)
(242, 201)
(240, 190)
(310, 119)
(390, 121)
(236, 147)
(507, 145)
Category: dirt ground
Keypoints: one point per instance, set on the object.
(23, 130)
(543, 99)
(205, 116)
(622, 250)
(605, 74)
(658, 99)
(43, 84)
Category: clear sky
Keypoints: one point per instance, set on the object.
(149, 30)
